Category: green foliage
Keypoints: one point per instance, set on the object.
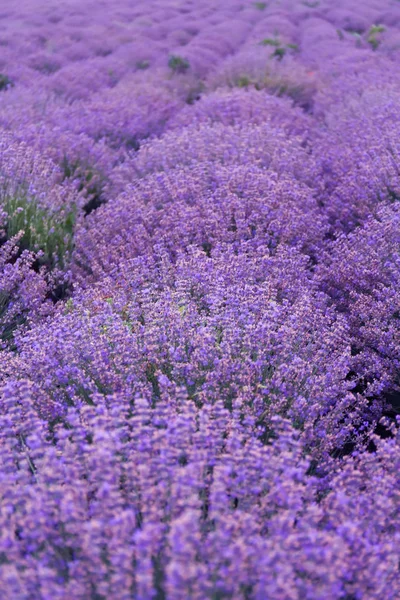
(69, 306)
(279, 53)
(142, 65)
(373, 35)
(376, 29)
(243, 81)
(260, 5)
(43, 230)
(275, 83)
(280, 49)
(374, 43)
(270, 42)
(177, 64)
(5, 82)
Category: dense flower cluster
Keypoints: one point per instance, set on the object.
(199, 300)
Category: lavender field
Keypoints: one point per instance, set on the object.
(200, 300)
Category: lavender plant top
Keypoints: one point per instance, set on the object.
(199, 300)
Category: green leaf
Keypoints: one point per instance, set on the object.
(178, 64)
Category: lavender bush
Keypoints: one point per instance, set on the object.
(199, 300)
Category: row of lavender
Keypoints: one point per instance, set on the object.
(199, 309)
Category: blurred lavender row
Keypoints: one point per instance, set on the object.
(199, 300)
